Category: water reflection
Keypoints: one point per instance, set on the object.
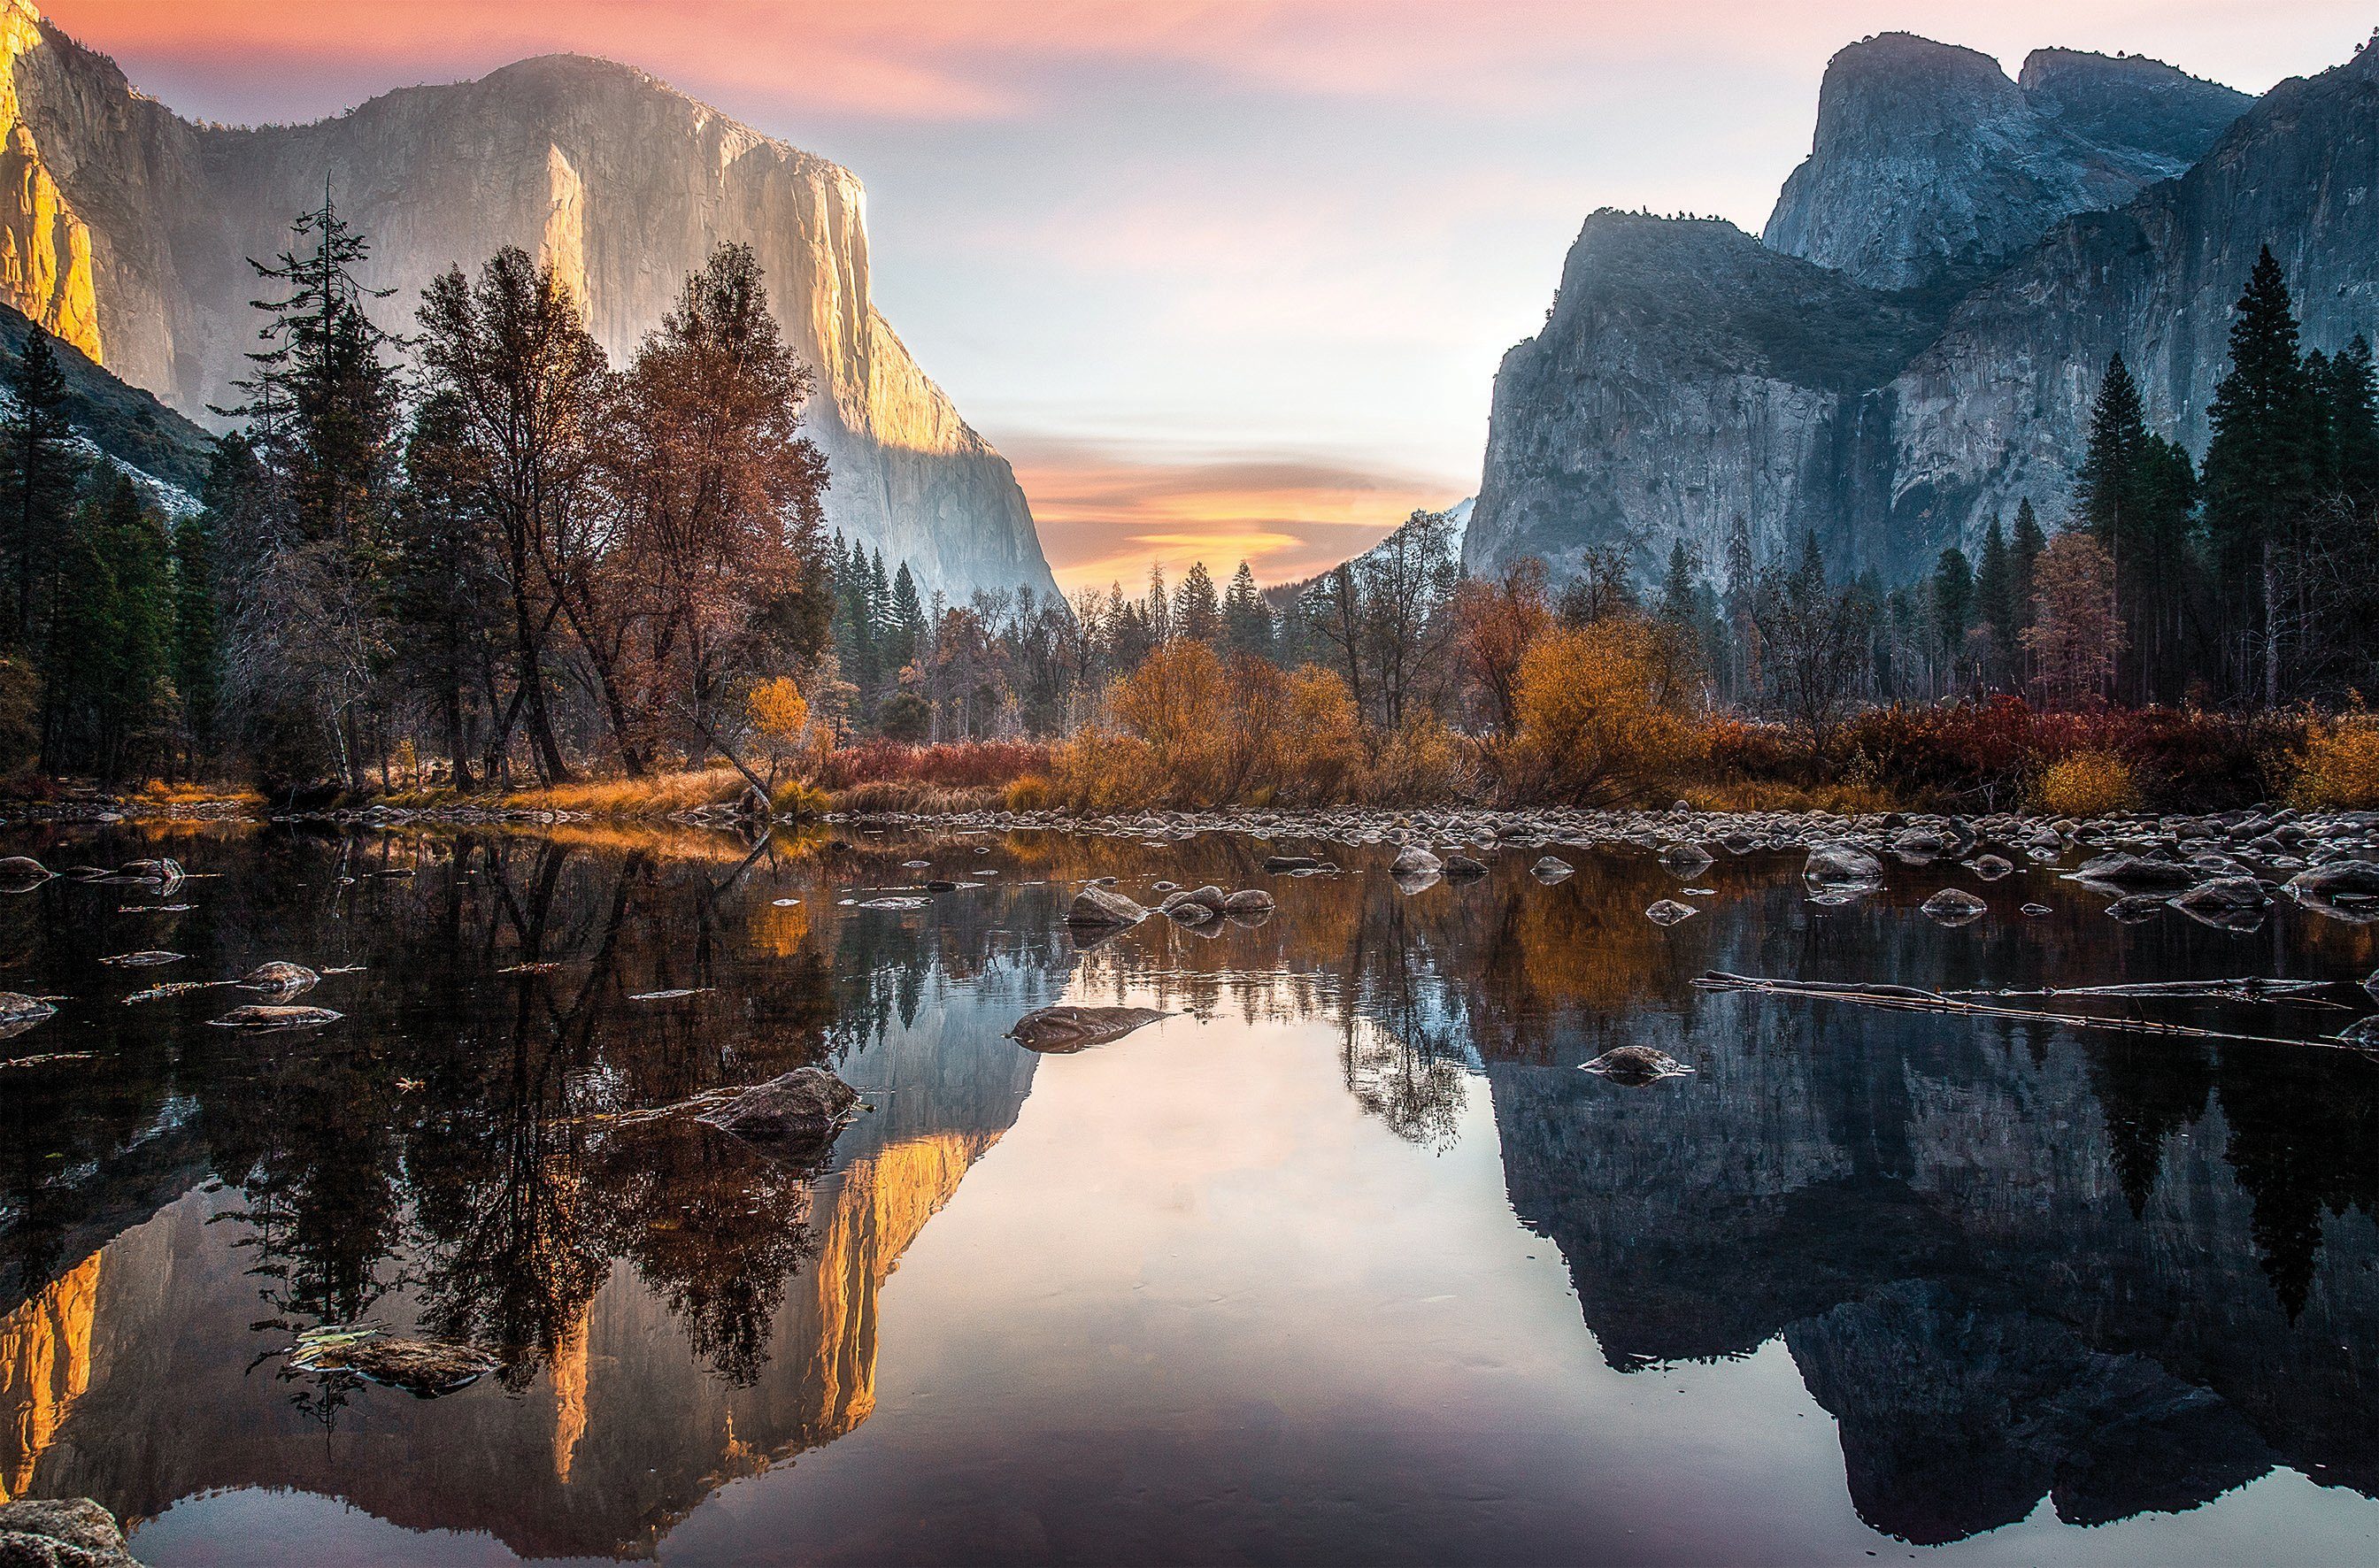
(2014, 1261)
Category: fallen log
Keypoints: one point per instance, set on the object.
(1910, 998)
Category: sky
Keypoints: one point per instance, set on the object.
(1224, 279)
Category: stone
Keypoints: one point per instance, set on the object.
(1464, 867)
(2134, 874)
(1685, 860)
(1668, 911)
(1416, 863)
(1841, 865)
(1954, 906)
(73, 1532)
(1551, 869)
(1290, 863)
(2134, 907)
(1249, 901)
(279, 979)
(17, 1008)
(1991, 868)
(422, 1367)
(20, 873)
(266, 1016)
(1064, 1028)
(796, 1114)
(1096, 906)
(1636, 1065)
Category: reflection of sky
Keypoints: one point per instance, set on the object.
(1226, 278)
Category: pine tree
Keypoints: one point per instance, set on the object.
(1680, 601)
(141, 670)
(2025, 549)
(196, 641)
(1158, 607)
(2353, 402)
(39, 472)
(1954, 606)
(907, 626)
(2259, 473)
(1247, 619)
(1995, 604)
(1197, 613)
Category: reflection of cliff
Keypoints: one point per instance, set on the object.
(45, 1368)
(1941, 1223)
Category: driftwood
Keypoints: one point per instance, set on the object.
(1910, 998)
(2247, 988)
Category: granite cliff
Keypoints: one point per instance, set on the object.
(1915, 346)
(131, 229)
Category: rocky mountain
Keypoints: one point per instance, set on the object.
(1879, 371)
(1929, 161)
(165, 454)
(132, 233)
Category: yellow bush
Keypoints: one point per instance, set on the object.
(1031, 792)
(1099, 769)
(798, 799)
(1423, 761)
(1605, 714)
(2341, 764)
(2089, 784)
(1317, 749)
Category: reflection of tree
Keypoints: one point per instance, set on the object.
(2297, 1147)
(1398, 1043)
(2148, 1090)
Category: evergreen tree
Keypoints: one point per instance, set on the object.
(1954, 606)
(2259, 475)
(197, 642)
(1995, 604)
(446, 595)
(2353, 399)
(906, 628)
(1247, 619)
(1196, 611)
(1680, 600)
(39, 472)
(1158, 607)
(2025, 549)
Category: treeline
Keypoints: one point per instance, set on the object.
(481, 546)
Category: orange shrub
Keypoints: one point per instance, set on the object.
(1605, 714)
(2341, 764)
(2088, 784)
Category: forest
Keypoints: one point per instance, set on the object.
(478, 557)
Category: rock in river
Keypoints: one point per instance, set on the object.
(17, 1008)
(71, 1532)
(1636, 1065)
(1668, 911)
(255, 1016)
(1249, 901)
(1063, 1028)
(423, 1368)
(1103, 906)
(19, 873)
(279, 979)
(1954, 906)
(2133, 873)
(1552, 868)
(1416, 863)
(1841, 865)
(797, 1115)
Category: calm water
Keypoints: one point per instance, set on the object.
(1346, 1260)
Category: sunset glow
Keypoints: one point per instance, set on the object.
(1222, 280)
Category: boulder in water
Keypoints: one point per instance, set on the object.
(266, 1016)
(2134, 874)
(1954, 906)
(17, 1008)
(1551, 869)
(1417, 863)
(797, 1115)
(1685, 860)
(1096, 906)
(1064, 1028)
(423, 1368)
(1668, 911)
(1839, 865)
(1465, 867)
(279, 979)
(1249, 901)
(20, 874)
(1636, 1065)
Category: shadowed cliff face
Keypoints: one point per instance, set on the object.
(138, 224)
(2013, 1262)
(1987, 247)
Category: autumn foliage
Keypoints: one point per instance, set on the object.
(1605, 715)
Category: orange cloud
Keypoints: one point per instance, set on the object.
(1108, 514)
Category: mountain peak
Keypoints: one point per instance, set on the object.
(1929, 161)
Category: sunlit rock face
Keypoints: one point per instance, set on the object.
(623, 183)
(45, 1368)
(1916, 348)
(1928, 158)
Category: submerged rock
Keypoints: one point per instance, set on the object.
(1250, 901)
(1954, 906)
(1668, 911)
(73, 1532)
(1416, 863)
(1465, 867)
(2134, 907)
(1551, 869)
(1636, 1065)
(1290, 863)
(148, 958)
(2036, 911)
(1063, 1028)
(423, 1368)
(1685, 860)
(267, 1015)
(1210, 899)
(1991, 868)
(1103, 906)
(796, 1115)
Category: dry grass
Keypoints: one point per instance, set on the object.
(2089, 784)
(1771, 795)
(157, 793)
(630, 800)
(881, 796)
